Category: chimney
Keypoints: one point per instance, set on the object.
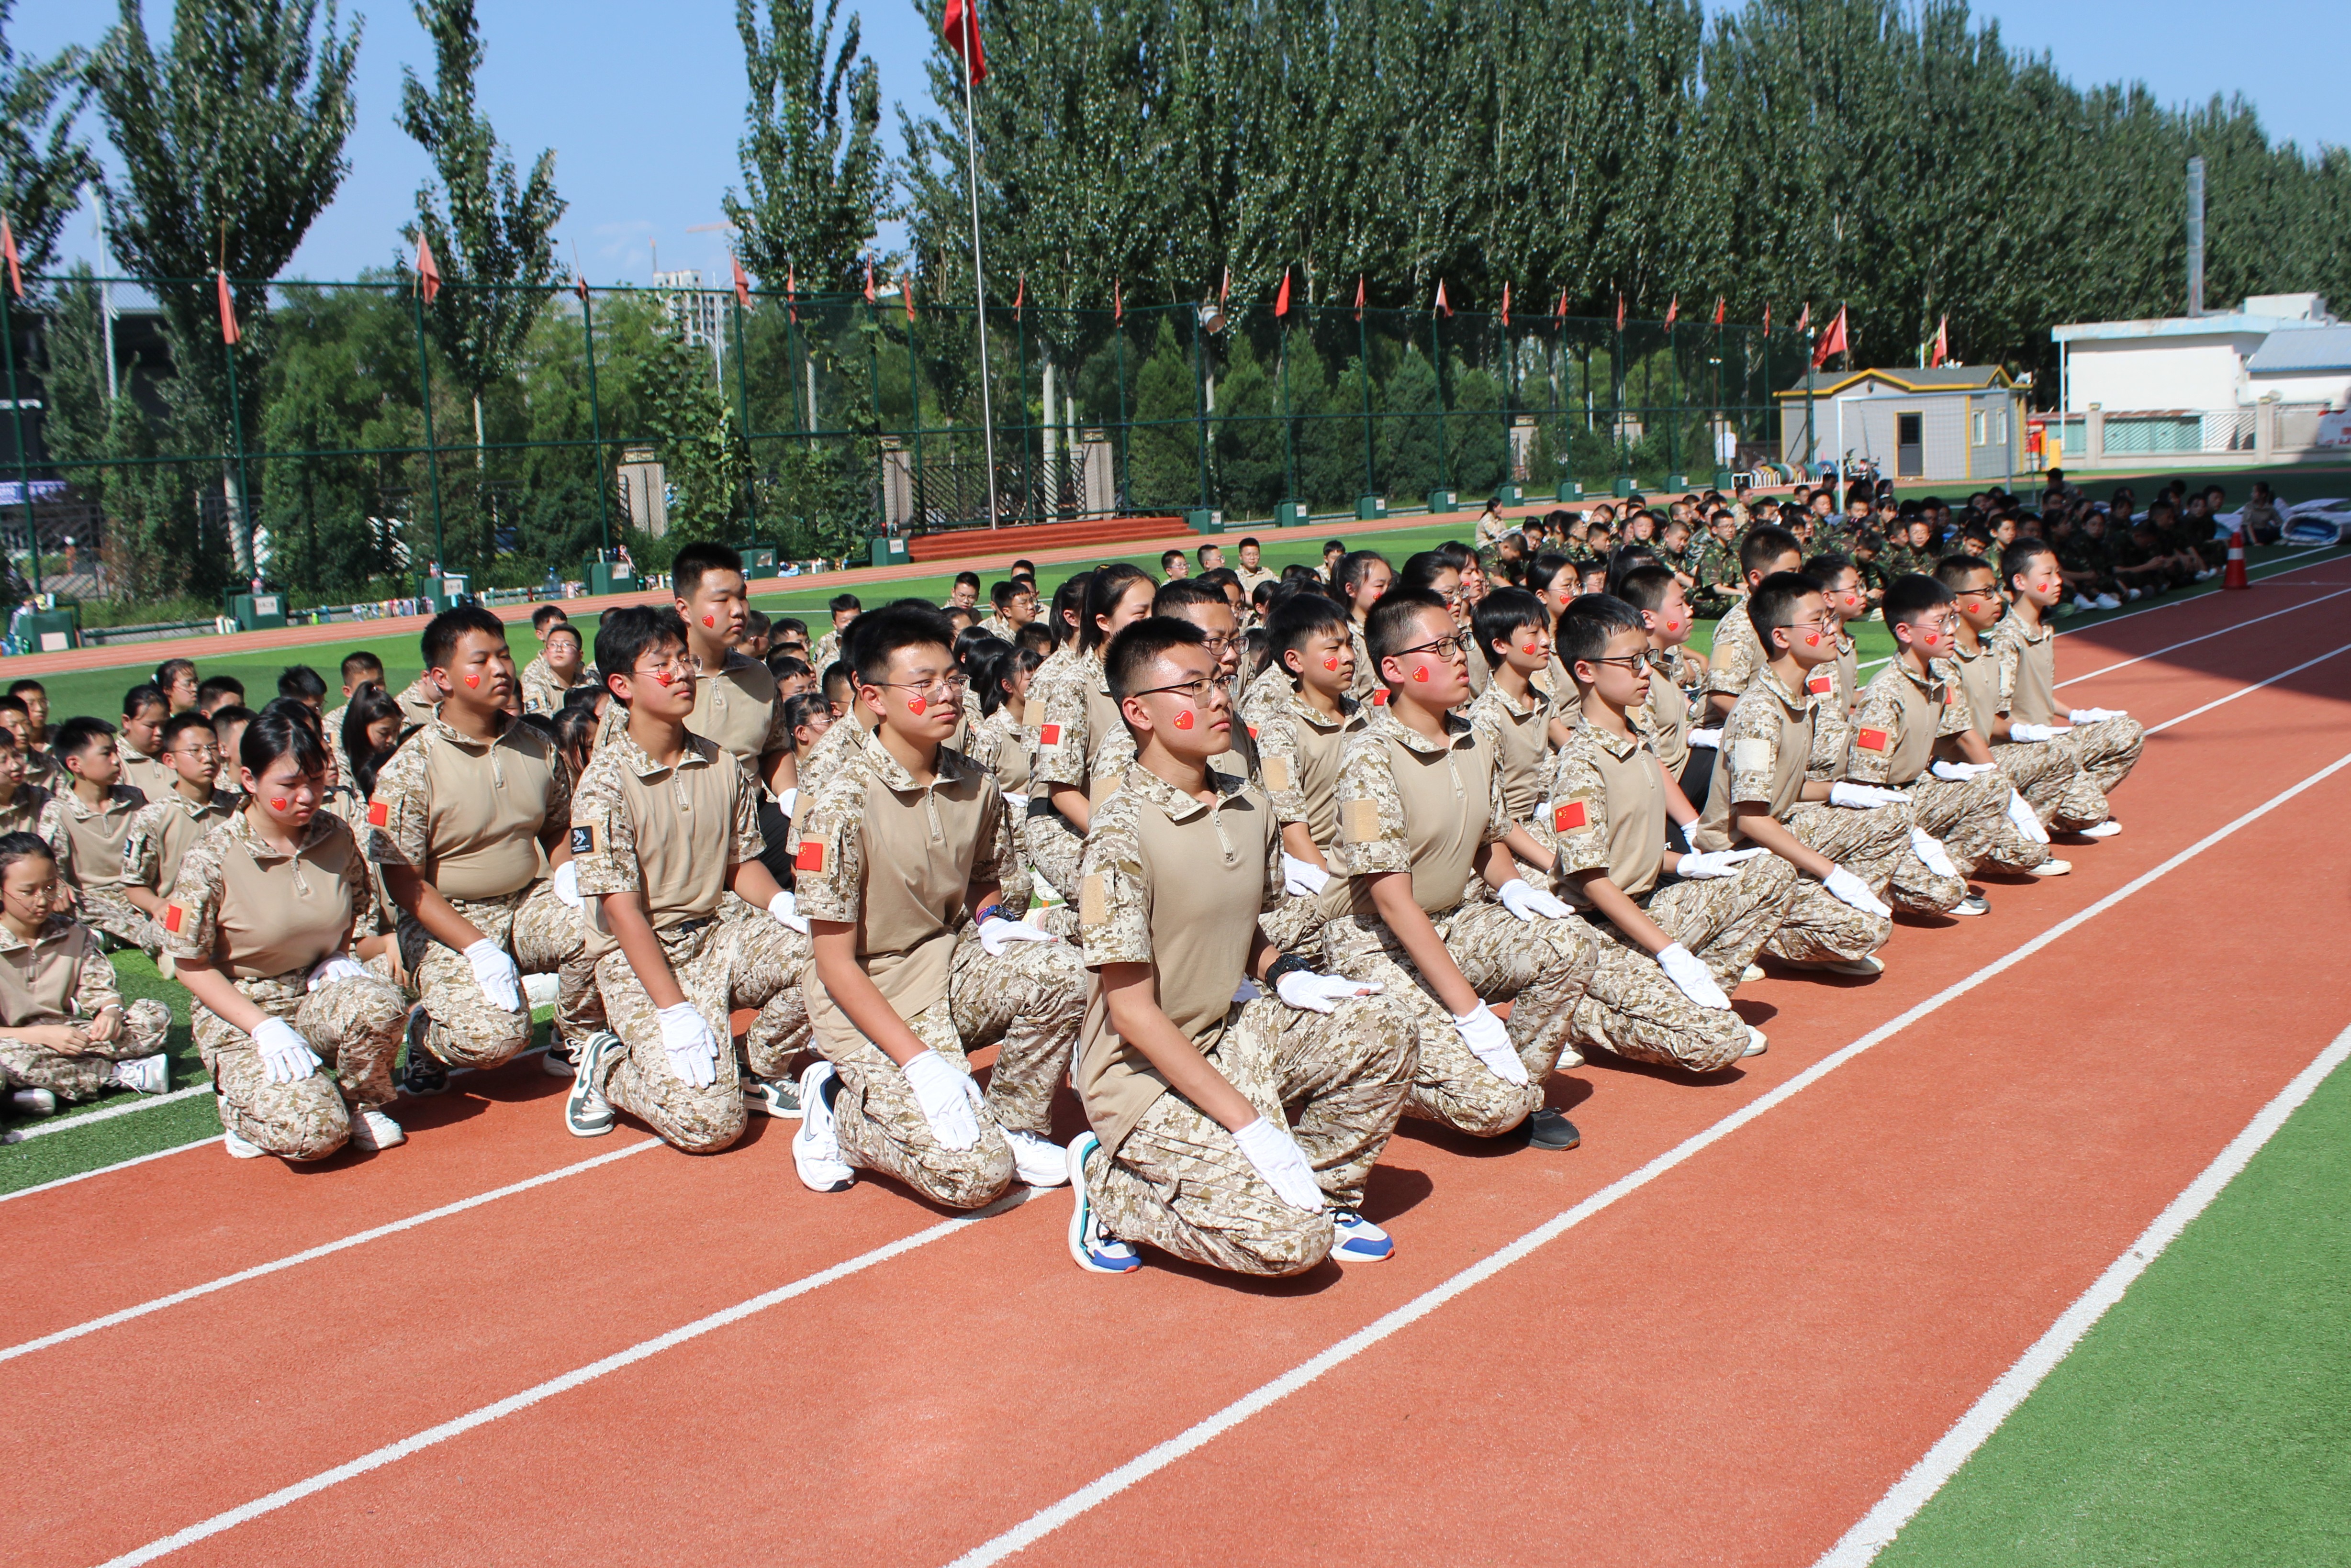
(2196, 236)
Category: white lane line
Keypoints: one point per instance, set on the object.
(432, 1436)
(1047, 1520)
(2241, 690)
(107, 1169)
(2224, 632)
(324, 1249)
(1881, 1524)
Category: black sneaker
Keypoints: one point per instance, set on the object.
(423, 1074)
(1548, 1130)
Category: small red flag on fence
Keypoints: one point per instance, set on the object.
(8, 244)
(580, 288)
(1442, 303)
(428, 271)
(1281, 300)
(1117, 301)
(1805, 317)
(1833, 341)
(1225, 289)
(229, 334)
(1561, 312)
(1620, 311)
(1717, 310)
(791, 292)
(742, 285)
(1767, 321)
(1359, 296)
(1506, 305)
(906, 292)
(961, 26)
(1020, 297)
(1673, 312)
(868, 280)
(1942, 343)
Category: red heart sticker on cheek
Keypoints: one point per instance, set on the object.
(710, 618)
(277, 803)
(667, 677)
(1420, 672)
(1184, 720)
(1811, 640)
(917, 706)
(475, 681)
(1529, 649)
(1332, 664)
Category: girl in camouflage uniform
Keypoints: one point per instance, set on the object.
(65, 1034)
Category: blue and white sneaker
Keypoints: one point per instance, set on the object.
(586, 1111)
(1096, 1250)
(816, 1147)
(1358, 1240)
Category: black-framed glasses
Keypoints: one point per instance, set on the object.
(1453, 647)
(1631, 663)
(1195, 691)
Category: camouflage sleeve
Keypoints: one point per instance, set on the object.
(749, 843)
(603, 834)
(1062, 737)
(399, 812)
(558, 792)
(1113, 889)
(1372, 837)
(1277, 886)
(1732, 661)
(829, 861)
(1114, 753)
(95, 986)
(1955, 715)
(1750, 743)
(192, 916)
(993, 861)
(1832, 734)
(1278, 765)
(142, 846)
(1498, 802)
(2005, 651)
(780, 734)
(50, 828)
(1876, 732)
(1579, 813)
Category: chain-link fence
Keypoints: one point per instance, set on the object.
(361, 448)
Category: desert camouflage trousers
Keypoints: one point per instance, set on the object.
(1030, 998)
(2049, 776)
(25, 1065)
(1541, 967)
(1181, 1184)
(1869, 843)
(1971, 819)
(106, 909)
(2106, 751)
(544, 935)
(1632, 1009)
(1049, 847)
(355, 1027)
(720, 966)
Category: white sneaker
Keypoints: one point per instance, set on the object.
(34, 1102)
(2106, 830)
(1092, 1248)
(372, 1129)
(239, 1148)
(145, 1075)
(2083, 602)
(1869, 965)
(1751, 972)
(816, 1147)
(1038, 1161)
(2109, 601)
(1355, 1240)
(1973, 904)
(2053, 868)
(1756, 1043)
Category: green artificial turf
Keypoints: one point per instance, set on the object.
(2207, 1418)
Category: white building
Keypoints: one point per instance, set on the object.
(2206, 362)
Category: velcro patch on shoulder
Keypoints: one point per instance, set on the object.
(379, 814)
(1871, 740)
(583, 839)
(811, 856)
(1277, 771)
(1093, 904)
(1751, 753)
(1379, 697)
(175, 918)
(1358, 821)
(1049, 735)
(1570, 816)
(1820, 683)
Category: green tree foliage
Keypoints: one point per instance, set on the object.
(815, 181)
(1408, 452)
(694, 433)
(43, 163)
(1163, 453)
(1247, 433)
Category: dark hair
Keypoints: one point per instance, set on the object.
(784, 666)
(1953, 571)
(358, 666)
(1773, 601)
(2019, 556)
(16, 846)
(1502, 612)
(231, 713)
(1222, 577)
(1459, 555)
(213, 685)
(444, 631)
(1383, 629)
(1418, 573)
(559, 629)
(1104, 588)
(1588, 622)
(885, 631)
(1247, 540)
(698, 561)
(790, 623)
(1141, 643)
(1910, 596)
(840, 602)
(627, 634)
(1644, 587)
(1629, 559)
(1296, 617)
(169, 671)
(370, 704)
(1166, 556)
(286, 728)
(179, 724)
(75, 736)
(1824, 567)
(1544, 570)
(995, 663)
(1174, 595)
(838, 673)
(1002, 595)
(538, 619)
(575, 731)
(12, 703)
(1348, 575)
(1764, 545)
(1069, 602)
(297, 680)
(18, 688)
(146, 695)
(1035, 635)
(963, 578)
(800, 709)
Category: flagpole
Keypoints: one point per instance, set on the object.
(978, 285)
(17, 420)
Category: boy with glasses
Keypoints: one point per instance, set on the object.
(1016, 606)
(166, 829)
(1420, 815)
(1738, 652)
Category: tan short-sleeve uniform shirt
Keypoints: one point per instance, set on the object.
(1411, 804)
(670, 834)
(467, 814)
(1767, 742)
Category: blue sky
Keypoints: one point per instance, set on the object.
(644, 104)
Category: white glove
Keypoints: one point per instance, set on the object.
(1962, 773)
(286, 1056)
(1849, 890)
(787, 800)
(1282, 1162)
(2027, 820)
(2095, 715)
(1697, 981)
(1311, 992)
(567, 883)
(997, 934)
(497, 975)
(1017, 803)
(1862, 797)
(785, 908)
(331, 970)
(1930, 848)
(1715, 863)
(1489, 1042)
(693, 1049)
(1302, 878)
(1528, 902)
(1706, 740)
(2032, 734)
(943, 1094)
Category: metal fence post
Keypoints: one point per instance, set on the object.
(1028, 475)
(17, 418)
(431, 449)
(1125, 432)
(742, 395)
(1437, 358)
(596, 426)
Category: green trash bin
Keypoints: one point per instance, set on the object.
(257, 612)
(1204, 520)
(1569, 490)
(1724, 480)
(889, 551)
(1443, 501)
(441, 591)
(758, 561)
(1291, 515)
(1371, 508)
(49, 631)
(1508, 495)
(610, 577)
(1624, 487)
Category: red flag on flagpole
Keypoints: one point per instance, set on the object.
(580, 288)
(961, 27)
(8, 244)
(1506, 306)
(1805, 317)
(1225, 289)
(868, 280)
(1942, 343)
(791, 292)
(1832, 341)
(1442, 303)
(229, 334)
(1620, 311)
(1117, 300)
(1561, 312)
(907, 293)
(1020, 297)
(1281, 301)
(1767, 321)
(1717, 310)
(742, 285)
(428, 271)
(1359, 296)
(1673, 311)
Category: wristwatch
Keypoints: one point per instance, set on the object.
(1288, 963)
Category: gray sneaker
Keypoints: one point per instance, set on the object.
(771, 1097)
(586, 1111)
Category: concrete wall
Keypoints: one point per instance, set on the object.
(2192, 373)
(2332, 387)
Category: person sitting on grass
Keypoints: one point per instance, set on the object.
(65, 1033)
(41, 766)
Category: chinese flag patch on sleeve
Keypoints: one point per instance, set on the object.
(379, 814)
(1821, 683)
(1871, 740)
(175, 917)
(1570, 814)
(1051, 735)
(811, 856)
(1379, 696)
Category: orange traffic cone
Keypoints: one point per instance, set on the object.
(2235, 577)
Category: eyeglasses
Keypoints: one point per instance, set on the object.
(1453, 647)
(1219, 646)
(928, 691)
(1631, 663)
(1195, 692)
(657, 664)
(199, 753)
